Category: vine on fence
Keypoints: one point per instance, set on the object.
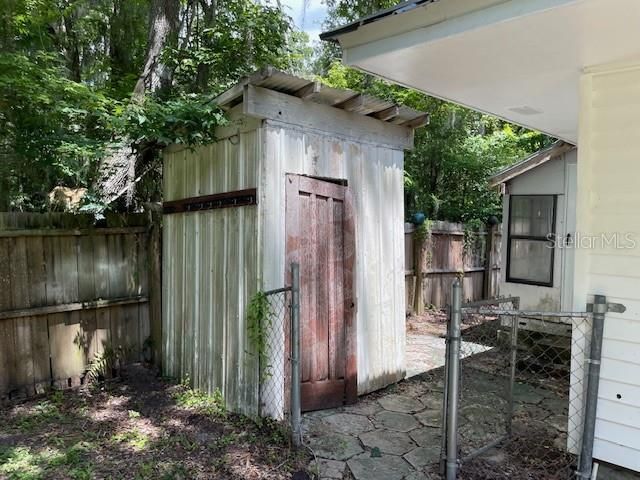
(258, 324)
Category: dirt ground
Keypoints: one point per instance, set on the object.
(140, 427)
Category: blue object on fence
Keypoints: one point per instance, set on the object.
(418, 218)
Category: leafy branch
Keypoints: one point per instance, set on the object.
(258, 325)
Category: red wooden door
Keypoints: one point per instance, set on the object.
(320, 237)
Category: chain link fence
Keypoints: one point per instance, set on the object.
(520, 381)
(274, 364)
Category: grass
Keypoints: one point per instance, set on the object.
(192, 399)
(140, 428)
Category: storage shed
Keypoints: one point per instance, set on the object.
(303, 173)
(539, 223)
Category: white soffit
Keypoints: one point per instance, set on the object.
(520, 60)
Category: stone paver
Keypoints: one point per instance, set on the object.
(400, 422)
(335, 446)
(388, 441)
(421, 456)
(524, 393)
(430, 418)
(396, 435)
(367, 408)
(433, 401)
(385, 467)
(328, 469)
(400, 403)
(560, 422)
(426, 436)
(348, 423)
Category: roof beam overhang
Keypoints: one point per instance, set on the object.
(361, 45)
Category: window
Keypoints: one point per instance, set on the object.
(531, 229)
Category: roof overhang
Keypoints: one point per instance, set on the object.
(530, 163)
(517, 59)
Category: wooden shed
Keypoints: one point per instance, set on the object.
(302, 173)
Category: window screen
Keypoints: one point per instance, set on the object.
(531, 229)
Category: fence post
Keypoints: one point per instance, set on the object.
(154, 251)
(487, 287)
(453, 377)
(593, 382)
(512, 371)
(295, 354)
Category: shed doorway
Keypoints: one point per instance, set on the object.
(320, 237)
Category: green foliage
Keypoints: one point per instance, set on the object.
(447, 171)
(258, 324)
(212, 405)
(106, 364)
(67, 73)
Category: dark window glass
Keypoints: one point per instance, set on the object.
(531, 229)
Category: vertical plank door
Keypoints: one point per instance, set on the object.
(321, 238)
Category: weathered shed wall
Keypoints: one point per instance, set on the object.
(375, 177)
(211, 270)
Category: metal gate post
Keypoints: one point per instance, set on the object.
(295, 355)
(593, 382)
(453, 377)
(512, 371)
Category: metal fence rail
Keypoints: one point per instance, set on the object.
(518, 387)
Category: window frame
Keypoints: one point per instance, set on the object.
(510, 237)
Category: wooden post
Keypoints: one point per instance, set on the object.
(487, 287)
(418, 260)
(155, 280)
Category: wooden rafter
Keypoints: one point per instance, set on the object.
(308, 90)
(352, 103)
(417, 122)
(386, 114)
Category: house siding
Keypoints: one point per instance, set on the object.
(608, 201)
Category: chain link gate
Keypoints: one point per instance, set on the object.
(279, 394)
(520, 385)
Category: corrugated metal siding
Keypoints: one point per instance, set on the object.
(375, 177)
(608, 199)
(211, 270)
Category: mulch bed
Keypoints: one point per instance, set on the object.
(136, 428)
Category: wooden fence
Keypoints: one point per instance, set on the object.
(446, 254)
(68, 290)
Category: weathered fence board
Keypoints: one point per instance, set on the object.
(68, 290)
(447, 256)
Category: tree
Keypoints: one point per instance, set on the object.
(82, 81)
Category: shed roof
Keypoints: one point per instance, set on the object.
(314, 91)
(533, 161)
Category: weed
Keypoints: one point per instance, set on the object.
(57, 397)
(21, 463)
(44, 412)
(82, 473)
(135, 438)
(145, 471)
(134, 414)
(192, 399)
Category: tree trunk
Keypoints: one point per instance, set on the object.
(163, 31)
(72, 48)
(118, 169)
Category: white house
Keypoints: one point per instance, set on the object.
(539, 217)
(569, 68)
